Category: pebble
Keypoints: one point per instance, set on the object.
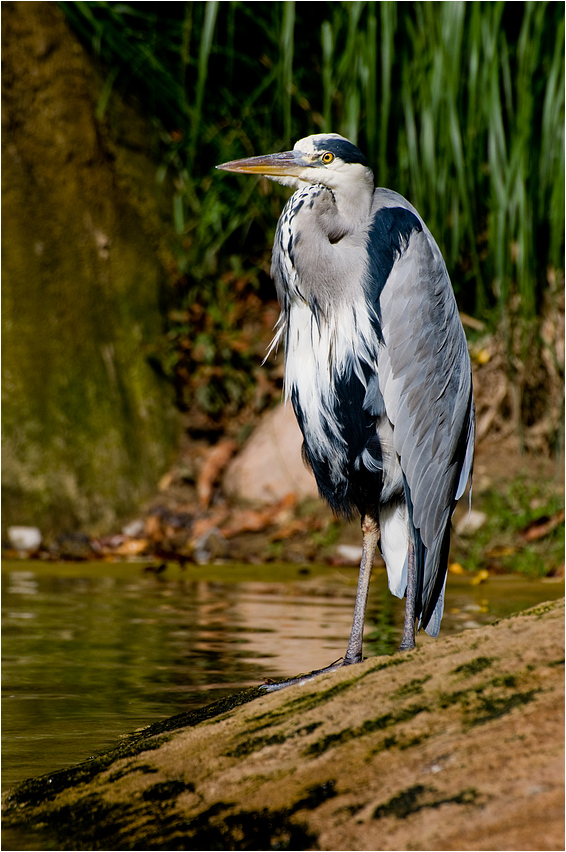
(350, 552)
(211, 545)
(471, 522)
(134, 529)
(25, 538)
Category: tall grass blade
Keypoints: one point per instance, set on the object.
(459, 106)
(211, 10)
(327, 77)
(286, 49)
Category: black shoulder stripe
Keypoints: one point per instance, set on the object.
(388, 237)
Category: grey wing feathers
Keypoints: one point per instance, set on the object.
(425, 379)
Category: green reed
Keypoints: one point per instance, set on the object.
(459, 106)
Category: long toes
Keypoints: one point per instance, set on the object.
(273, 687)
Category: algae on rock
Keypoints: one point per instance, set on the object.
(88, 425)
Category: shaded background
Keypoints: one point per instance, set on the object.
(137, 303)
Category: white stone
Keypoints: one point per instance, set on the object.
(134, 529)
(471, 522)
(350, 552)
(270, 465)
(24, 538)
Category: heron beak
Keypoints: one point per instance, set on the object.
(286, 163)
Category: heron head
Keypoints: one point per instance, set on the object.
(326, 158)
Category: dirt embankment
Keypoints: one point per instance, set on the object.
(456, 745)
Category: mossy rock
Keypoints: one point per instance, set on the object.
(453, 749)
(88, 425)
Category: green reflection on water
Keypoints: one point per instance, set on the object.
(92, 651)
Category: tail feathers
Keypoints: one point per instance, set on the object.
(433, 626)
(394, 545)
(434, 580)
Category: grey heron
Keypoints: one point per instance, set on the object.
(376, 367)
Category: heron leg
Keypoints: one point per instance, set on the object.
(370, 531)
(408, 640)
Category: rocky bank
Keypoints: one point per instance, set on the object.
(456, 745)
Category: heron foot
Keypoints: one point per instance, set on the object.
(273, 687)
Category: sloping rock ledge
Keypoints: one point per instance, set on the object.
(456, 745)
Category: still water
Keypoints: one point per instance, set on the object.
(93, 651)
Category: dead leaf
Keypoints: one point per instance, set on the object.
(288, 530)
(202, 525)
(166, 480)
(153, 527)
(216, 460)
(246, 520)
(501, 550)
(471, 322)
(496, 398)
(132, 547)
(252, 520)
(538, 529)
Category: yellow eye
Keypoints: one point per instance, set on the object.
(327, 158)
